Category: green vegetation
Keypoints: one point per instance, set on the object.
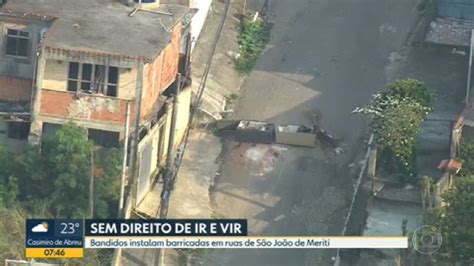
(54, 182)
(231, 98)
(254, 36)
(12, 232)
(467, 157)
(396, 117)
(454, 220)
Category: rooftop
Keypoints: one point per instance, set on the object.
(102, 26)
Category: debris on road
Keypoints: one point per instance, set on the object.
(258, 158)
(279, 217)
(338, 150)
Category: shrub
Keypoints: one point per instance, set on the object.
(396, 117)
(254, 35)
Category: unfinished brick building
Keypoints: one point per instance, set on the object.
(98, 63)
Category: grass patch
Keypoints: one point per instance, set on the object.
(214, 130)
(231, 98)
(253, 37)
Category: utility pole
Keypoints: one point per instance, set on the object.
(174, 116)
(135, 138)
(91, 186)
(468, 89)
(124, 162)
(170, 169)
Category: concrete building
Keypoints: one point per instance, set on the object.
(452, 23)
(108, 66)
(457, 9)
(201, 9)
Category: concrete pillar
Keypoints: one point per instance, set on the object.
(37, 125)
(136, 127)
(372, 164)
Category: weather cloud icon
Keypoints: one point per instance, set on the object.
(40, 228)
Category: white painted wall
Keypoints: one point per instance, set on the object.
(199, 18)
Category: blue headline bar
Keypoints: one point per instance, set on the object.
(168, 227)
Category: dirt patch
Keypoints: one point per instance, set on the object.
(258, 158)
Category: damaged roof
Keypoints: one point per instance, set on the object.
(102, 26)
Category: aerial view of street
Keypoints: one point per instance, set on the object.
(137, 132)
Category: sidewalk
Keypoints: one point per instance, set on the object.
(222, 80)
(190, 197)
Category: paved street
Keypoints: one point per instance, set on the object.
(324, 58)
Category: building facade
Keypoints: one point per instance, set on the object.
(107, 66)
(457, 9)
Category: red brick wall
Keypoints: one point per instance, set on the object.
(15, 89)
(62, 104)
(161, 73)
(171, 58)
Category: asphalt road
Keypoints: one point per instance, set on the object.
(325, 58)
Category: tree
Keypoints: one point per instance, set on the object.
(107, 184)
(56, 177)
(68, 156)
(467, 156)
(411, 89)
(64, 162)
(12, 233)
(8, 182)
(396, 117)
(455, 220)
(52, 181)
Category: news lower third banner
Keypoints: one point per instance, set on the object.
(257, 242)
(68, 238)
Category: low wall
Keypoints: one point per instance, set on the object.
(358, 198)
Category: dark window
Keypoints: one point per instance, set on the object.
(85, 86)
(106, 139)
(112, 90)
(112, 82)
(73, 70)
(17, 43)
(73, 76)
(72, 85)
(86, 71)
(50, 129)
(98, 79)
(86, 77)
(18, 131)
